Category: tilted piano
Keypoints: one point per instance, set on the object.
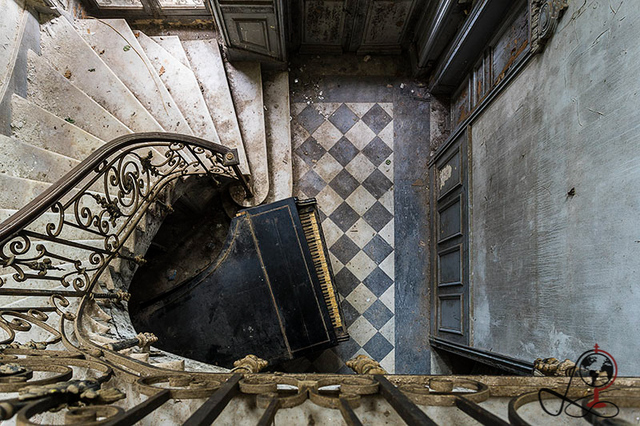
(271, 292)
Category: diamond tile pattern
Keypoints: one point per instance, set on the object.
(346, 281)
(377, 216)
(344, 158)
(344, 184)
(344, 249)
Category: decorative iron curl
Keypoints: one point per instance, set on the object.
(79, 279)
(54, 229)
(57, 298)
(23, 322)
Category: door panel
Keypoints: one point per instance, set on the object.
(450, 278)
(384, 25)
(255, 32)
(362, 26)
(251, 27)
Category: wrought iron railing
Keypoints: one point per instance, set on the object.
(56, 255)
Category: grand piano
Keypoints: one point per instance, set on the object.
(270, 292)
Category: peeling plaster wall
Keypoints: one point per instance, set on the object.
(552, 273)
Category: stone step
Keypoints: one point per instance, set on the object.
(12, 26)
(173, 45)
(51, 91)
(72, 57)
(35, 126)
(20, 159)
(18, 191)
(183, 87)
(245, 81)
(208, 67)
(120, 50)
(278, 129)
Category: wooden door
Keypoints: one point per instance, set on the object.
(362, 26)
(449, 248)
(253, 30)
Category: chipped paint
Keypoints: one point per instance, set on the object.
(445, 175)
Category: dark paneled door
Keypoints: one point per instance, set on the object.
(450, 282)
(362, 26)
(252, 29)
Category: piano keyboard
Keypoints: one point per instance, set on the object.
(315, 240)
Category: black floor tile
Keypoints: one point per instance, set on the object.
(344, 216)
(377, 183)
(378, 347)
(378, 314)
(377, 216)
(376, 118)
(343, 118)
(377, 249)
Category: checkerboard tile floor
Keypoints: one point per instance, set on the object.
(343, 156)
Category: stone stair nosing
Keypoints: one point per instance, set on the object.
(245, 81)
(119, 49)
(173, 45)
(72, 57)
(26, 161)
(38, 127)
(49, 90)
(208, 67)
(183, 87)
(278, 131)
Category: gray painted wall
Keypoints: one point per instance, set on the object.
(552, 274)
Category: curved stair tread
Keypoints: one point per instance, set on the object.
(278, 131)
(120, 50)
(245, 80)
(19, 191)
(183, 86)
(12, 26)
(26, 161)
(208, 67)
(173, 45)
(51, 91)
(72, 57)
(40, 128)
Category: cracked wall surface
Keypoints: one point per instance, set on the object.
(554, 186)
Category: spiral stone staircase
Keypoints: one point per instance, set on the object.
(94, 80)
(78, 84)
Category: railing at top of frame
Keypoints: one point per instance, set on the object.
(56, 249)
